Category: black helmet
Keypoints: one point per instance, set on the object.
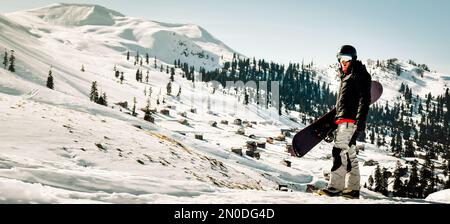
(347, 50)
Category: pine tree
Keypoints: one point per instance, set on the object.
(121, 78)
(280, 107)
(398, 188)
(393, 145)
(432, 182)
(246, 96)
(169, 88)
(399, 145)
(378, 180)
(384, 184)
(420, 108)
(5, 59)
(117, 74)
(134, 107)
(172, 74)
(370, 180)
(136, 58)
(409, 148)
(128, 55)
(412, 186)
(161, 69)
(147, 107)
(428, 102)
(105, 100)
(82, 68)
(50, 84)
(398, 69)
(372, 137)
(402, 88)
(94, 92)
(137, 75)
(426, 177)
(102, 100)
(147, 115)
(146, 78)
(12, 59)
(147, 58)
(406, 133)
(179, 92)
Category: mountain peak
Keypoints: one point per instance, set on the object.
(77, 14)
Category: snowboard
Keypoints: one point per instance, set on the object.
(310, 136)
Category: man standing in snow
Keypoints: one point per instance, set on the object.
(352, 107)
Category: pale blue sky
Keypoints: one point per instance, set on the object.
(292, 30)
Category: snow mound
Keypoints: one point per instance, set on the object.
(440, 196)
(77, 15)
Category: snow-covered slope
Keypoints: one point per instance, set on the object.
(59, 147)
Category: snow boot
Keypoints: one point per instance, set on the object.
(330, 192)
(351, 194)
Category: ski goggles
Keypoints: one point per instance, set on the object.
(344, 58)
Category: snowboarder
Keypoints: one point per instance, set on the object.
(352, 107)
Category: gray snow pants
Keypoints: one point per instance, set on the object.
(345, 170)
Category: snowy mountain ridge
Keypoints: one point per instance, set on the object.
(421, 82)
(77, 15)
(167, 42)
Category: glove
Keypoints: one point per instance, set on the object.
(360, 126)
(330, 136)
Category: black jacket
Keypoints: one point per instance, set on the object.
(353, 99)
